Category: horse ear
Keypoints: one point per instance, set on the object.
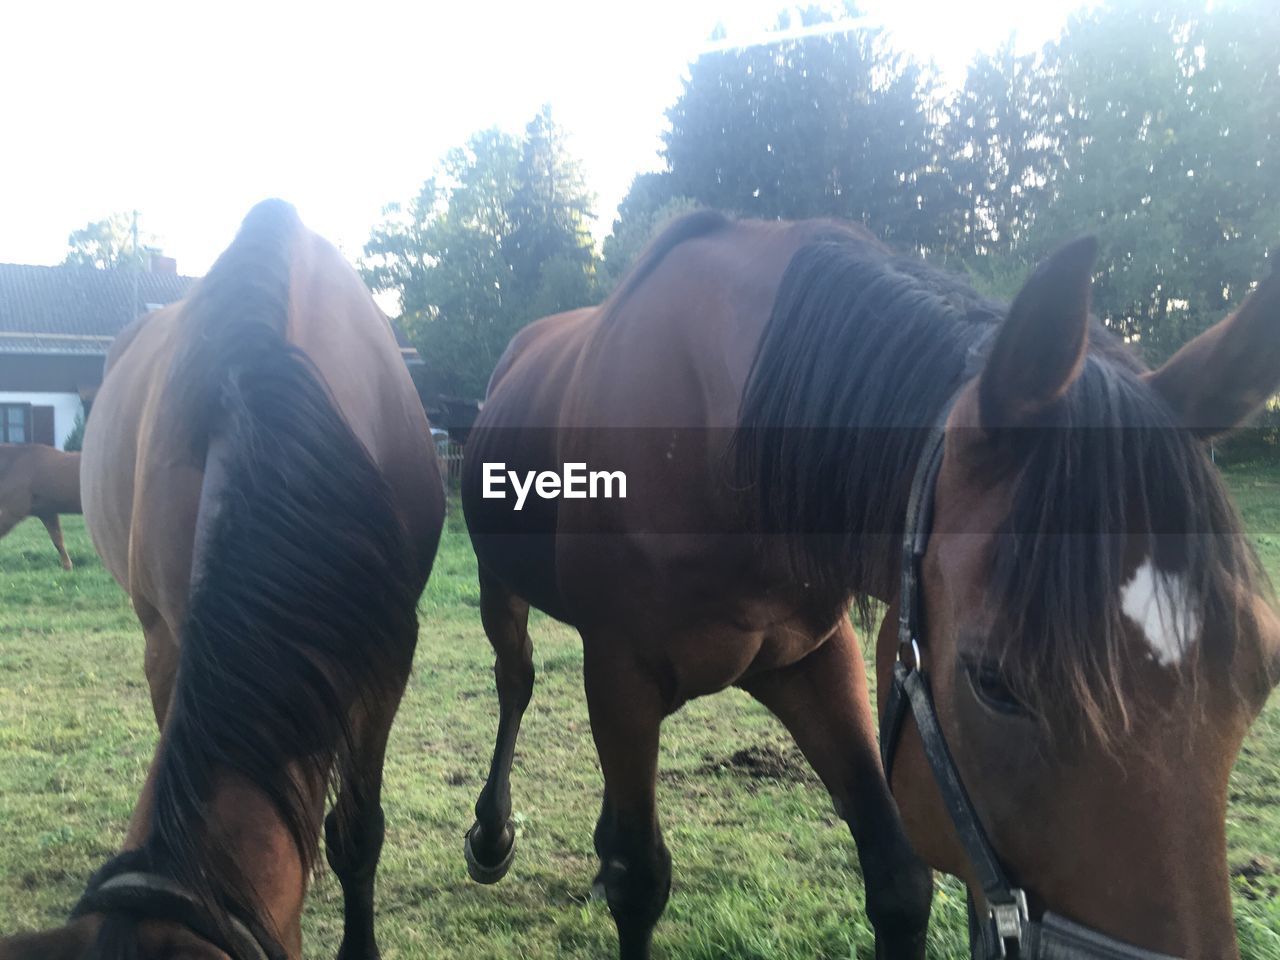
(1222, 376)
(1041, 346)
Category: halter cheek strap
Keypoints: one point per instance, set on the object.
(1006, 929)
(123, 887)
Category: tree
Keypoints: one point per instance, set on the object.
(1170, 153)
(106, 244)
(443, 255)
(834, 124)
(1002, 143)
(550, 210)
(495, 239)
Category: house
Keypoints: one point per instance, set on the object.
(56, 324)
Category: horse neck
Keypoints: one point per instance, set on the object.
(246, 824)
(245, 827)
(891, 436)
(858, 359)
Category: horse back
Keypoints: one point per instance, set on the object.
(142, 481)
(658, 391)
(648, 384)
(334, 321)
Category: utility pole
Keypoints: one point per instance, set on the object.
(137, 267)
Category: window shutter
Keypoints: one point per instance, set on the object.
(42, 425)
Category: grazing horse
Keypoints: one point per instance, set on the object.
(1098, 636)
(667, 586)
(259, 477)
(1079, 634)
(38, 481)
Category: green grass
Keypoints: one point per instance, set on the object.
(762, 867)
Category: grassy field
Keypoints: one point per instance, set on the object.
(762, 867)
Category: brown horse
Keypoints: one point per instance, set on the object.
(38, 481)
(738, 547)
(1079, 634)
(259, 476)
(668, 587)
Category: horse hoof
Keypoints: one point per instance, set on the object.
(483, 872)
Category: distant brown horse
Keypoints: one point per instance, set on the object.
(1096, 629)
(38, 481)
(259, 476)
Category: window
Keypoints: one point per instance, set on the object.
(15, 423)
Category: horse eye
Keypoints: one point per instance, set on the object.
(989, 686)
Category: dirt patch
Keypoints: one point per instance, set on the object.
(764, 762)
(1260, 877)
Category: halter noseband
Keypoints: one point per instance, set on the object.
(123, 886)
(1007, 929)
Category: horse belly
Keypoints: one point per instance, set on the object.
(515, 546)
(138, 487)
(107, 484)
(697, 609)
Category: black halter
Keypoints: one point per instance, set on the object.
(1007, 928)
(124, 886)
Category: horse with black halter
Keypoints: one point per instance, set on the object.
(1079, 635)
(259, 477)
(768, 391)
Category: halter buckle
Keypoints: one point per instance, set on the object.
(1010, 919)
(914, 646)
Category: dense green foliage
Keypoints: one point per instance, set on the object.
(498, 237)
(837, 124)
(1154, 124)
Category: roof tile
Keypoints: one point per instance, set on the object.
(68, 309)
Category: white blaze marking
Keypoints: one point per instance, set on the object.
(1157, 602)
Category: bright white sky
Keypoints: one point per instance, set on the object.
(190, 113)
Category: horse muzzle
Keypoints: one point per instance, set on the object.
(1011, 933)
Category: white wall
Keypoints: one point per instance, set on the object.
(66, 406)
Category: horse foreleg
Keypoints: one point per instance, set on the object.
(490, 843)
(822, 700)
(54, 526)
(603, 840)
(12, 512)
(626, 710)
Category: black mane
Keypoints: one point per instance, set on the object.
(302, 601)
(861, 353)
(860, 356)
